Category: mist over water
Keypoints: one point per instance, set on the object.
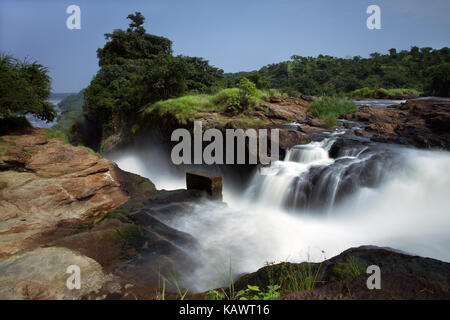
(389, 196)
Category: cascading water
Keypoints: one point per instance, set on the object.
(309, 178)
(324, 198)
(273, 184)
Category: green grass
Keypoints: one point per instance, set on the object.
(183, 108)
(293, 277)
(349, 269)
(330, 109)
(172, 280)
(186, 108)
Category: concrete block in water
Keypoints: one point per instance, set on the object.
(211, 183)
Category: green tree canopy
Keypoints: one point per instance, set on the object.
(137, 69)
(24, 88)
(422, 69)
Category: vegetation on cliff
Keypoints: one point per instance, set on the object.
(232, 101)
(136, 69)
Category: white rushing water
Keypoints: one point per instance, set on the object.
(409, 211)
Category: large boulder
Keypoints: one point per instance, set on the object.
(41, 274)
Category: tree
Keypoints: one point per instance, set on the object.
(137, 21)
(440, 80)
(137, 69)
(24, 88)
(199, 74)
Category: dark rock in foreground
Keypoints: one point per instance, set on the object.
(403, 276)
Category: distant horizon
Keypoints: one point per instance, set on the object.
(232, 36)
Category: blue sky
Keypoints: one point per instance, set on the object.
(233, 35)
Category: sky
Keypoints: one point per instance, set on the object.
(234, 35)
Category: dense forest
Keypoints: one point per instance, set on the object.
(425, 70)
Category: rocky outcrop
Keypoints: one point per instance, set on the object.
(403, 276)
(422, 123)
(45, 181)
(62, 205)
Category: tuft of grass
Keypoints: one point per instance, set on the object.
(330, 109)
(350, 268)
(172, 279)
(296, 279)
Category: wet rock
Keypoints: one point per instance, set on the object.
(422, 123)
(292, 137)
(203, 181)
(342, 147)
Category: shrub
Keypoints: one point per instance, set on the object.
(330, 109)
(24, 88)
(228, 99)
(247, 90)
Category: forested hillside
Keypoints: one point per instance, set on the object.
(425, 70)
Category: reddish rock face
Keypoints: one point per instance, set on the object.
(47, 181)
(422, 123)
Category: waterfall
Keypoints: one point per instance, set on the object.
(309, 178)
(339, 193)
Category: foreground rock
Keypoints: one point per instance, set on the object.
(62, 205)
(403, 276)
(43, 182)
(421, 123)
(41, 274)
